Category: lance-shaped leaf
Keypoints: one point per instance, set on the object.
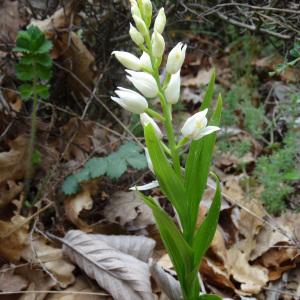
(180, 252)
(205, 234)
(197, 167)
(209, 92)
(169, 181)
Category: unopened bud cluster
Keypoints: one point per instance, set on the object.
(143, 72)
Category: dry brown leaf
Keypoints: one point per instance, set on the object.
(38, 252)
(11, 282)
(13, 243)
(128, 210)
(81, 286)
(202, 78)
(39, 281)
(9, 21)
(138, 246)
(75, 204)
(122, 275)
(9, 192)
(13, 162)
(80, 133)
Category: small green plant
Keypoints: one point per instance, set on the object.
(183, 184)
(294, 59)
(113, 166)
(276, 172)
(34, 69)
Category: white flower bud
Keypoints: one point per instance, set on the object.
(195, 126)
(130, 100)
(150, 164)
(158, 44)
(146, 119)
(135, 11)
(144, 83)
(147, 11)
(160, 21)
(141, 26)
(128, 60)
(136, 36)
(172, 91)
(146, 60)
(176, 58)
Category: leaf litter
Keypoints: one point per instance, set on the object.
(250, 254)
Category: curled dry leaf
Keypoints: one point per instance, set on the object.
(127, 209)
(122, 275)
(168, 284)
(13, 240)
(75, 204)
(9, 21)
(13, 162)
(52, 260)
(38, 281)
(9, 192)
(138, 246)
(11, 282)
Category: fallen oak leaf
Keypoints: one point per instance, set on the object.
(52, 261)
(13, 162)
(122, 275)
(75, 204)
(13, 240)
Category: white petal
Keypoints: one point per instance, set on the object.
(146, 119)
(173, 89)
(145, 187)
(146, 60)
(205, 131)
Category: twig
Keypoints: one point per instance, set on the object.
(100, 102)
(55, 292)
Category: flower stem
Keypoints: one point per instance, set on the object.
(166, 110)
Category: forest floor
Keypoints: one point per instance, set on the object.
(89, 153)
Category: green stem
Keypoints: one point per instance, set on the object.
(28, 175)
(154, 114)
(166, 111)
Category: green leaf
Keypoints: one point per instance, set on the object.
(23, 42)
(209, 297)
(83, 175)
(205, 234)
(97, 166)
(129, 149)
(209, 92)
(292, 175)
(197, 168)
(71, 185)
(169, 181)
(45, 47)
(42, 72)
(42, 91)
(36, 158)
(25, 91)
(116, 166)
(24, 72)
(138, 161)
(180, 252)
